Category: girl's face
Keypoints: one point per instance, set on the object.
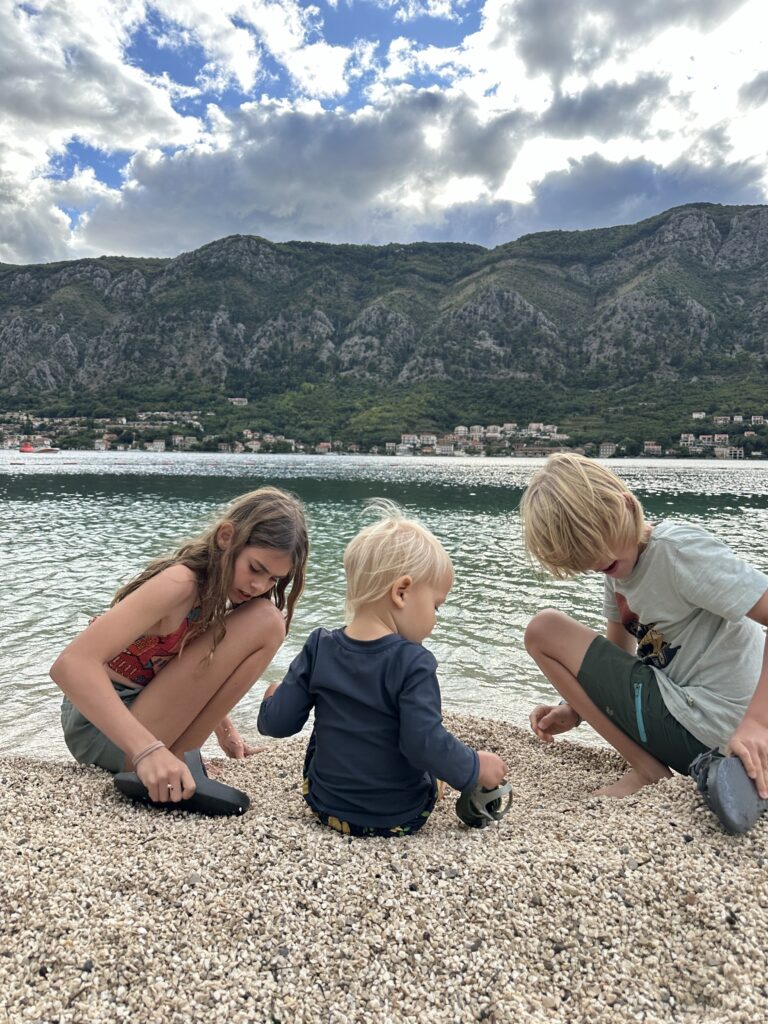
(416, 619)
(256, 571)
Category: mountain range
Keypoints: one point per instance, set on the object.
(680, 297)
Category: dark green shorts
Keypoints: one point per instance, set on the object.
(86, 743)
(627, 691)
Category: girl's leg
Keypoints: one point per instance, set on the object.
(558, 645)
(189, 697)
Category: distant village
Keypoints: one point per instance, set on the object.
(727, 436)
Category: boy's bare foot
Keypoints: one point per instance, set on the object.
(628, 784)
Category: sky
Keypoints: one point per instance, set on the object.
(150, 128)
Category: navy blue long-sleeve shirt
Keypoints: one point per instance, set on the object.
(378, 732)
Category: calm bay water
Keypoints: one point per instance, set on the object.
(75, 525)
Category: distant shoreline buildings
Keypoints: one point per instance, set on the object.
(738, 436)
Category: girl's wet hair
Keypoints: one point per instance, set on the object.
(392, 547)
(267, 518)
(576, 513)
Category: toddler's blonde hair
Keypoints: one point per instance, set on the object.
(576, 513)
(392, 547)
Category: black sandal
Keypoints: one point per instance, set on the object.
(479, 807)
(727, 790)
(210, 797)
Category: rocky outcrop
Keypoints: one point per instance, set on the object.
(680, 292)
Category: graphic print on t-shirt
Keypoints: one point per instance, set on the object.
(652, 648)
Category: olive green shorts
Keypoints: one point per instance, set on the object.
(626, 689)
(86, 743)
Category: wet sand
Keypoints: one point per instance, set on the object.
(572, 909)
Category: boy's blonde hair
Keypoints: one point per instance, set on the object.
(576, 513)
(392, 547)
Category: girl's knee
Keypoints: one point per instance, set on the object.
(263, 622)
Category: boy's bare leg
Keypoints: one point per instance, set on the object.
(558, 645)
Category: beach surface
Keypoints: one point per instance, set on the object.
(573, 908)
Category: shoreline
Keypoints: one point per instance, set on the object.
(573, 908)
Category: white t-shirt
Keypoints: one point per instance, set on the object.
(686, 602)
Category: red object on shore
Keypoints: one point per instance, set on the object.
(27, 448)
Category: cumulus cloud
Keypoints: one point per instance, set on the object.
(234, 34)
(559, 38)
(755, 93)
(408, 10)
(291, 173)
(62, 77)
(605, 111)
(539, 114)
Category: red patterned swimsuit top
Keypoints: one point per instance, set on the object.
(142, 660)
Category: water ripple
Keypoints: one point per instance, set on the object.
(73, 529)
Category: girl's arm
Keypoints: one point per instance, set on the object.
(231, 742)
(80, 670)
(750, 740)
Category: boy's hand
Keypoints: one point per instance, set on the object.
(270, 690)
(547, 720)
(492, 769)
(750, 743)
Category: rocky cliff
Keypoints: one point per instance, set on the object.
(682, 294)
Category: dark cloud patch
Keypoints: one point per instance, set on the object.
(595, 193)
(330, 176)
(755, 93)
(486, 150)
(344, 179)
(605, 111)
(557, 37)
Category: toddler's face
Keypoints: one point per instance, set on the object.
(417, 619)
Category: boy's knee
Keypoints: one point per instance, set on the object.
(542, 626)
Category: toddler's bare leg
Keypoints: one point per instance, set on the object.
(558, 645)
(189, 697)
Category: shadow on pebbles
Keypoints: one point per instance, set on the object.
(573, 908)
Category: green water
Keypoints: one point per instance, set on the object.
(73, 526)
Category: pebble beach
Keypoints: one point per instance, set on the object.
(573, 908)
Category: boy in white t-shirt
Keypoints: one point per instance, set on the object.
(683, 666)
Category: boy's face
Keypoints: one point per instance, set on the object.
(416, 620)
(624, 560)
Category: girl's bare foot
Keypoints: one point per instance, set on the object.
(629, 784)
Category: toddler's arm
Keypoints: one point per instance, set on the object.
(424, 740)
(285, 708)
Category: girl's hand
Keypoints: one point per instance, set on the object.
(750, 743)
(167, 779)
(548, 720)
(232, 743)
(492, 769)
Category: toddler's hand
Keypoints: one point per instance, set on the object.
(492, 769)
(547, 720)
